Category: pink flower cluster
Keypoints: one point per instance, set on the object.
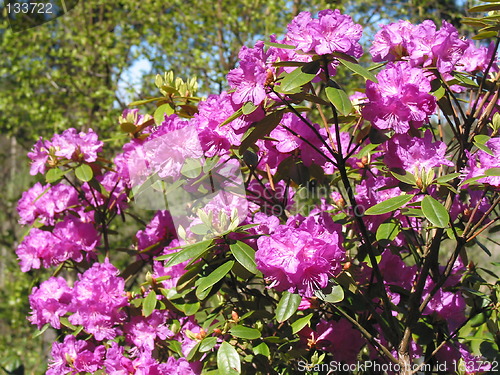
(400, 100)
(70, 239)
(302, 255)
(71, 145)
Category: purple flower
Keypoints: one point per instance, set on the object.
(400, 100)
(98, 298)
(249, 79)
(480, 162)
(77, 145)
(67, 241)
(49, 302)
(39, 156)
(160, 229)
(441, 49)
(339, 338)
(338, 33)
(75, 356)
(330, 32)
(302, 255)
(45, 202)
(415, 155)
(143, 331)
(391, 41)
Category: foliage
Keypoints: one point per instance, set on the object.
(279, 244)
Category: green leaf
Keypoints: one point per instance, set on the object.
(358, 69)
(287, 306)
(260, 129)
(388, 231)
(214, 277)
(339, 99)
(128, 127)
(84, 173)
(492, 172)
(301, 323)
(149, 303)
(54, 175)
(299, 77)
(439, 92)
(228, 360)
(245, 255)
(234, 116)
(484, 148)
(207, 344)
(189, 252)
(464, 80)
(407, 178)
(191, 168)
(389, 205)
(446, 178)
(248, 108)
(279, 45)
(262, 349)
(245, 332)
(145, 101)
(435, 212)
(161, 111)
(335, 296)
(485, 8)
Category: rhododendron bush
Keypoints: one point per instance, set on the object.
(286, 224)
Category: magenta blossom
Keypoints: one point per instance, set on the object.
(400, 100)
(49, 302)
(302, 255)
(75, 356)
(330, 32)
(98, 298)
(414, 154)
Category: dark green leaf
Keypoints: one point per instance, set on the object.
(245, 255)
(149, 303)
(245, 332)
(389, 205)
(446, 178)
(189, 252)
(214, 277)
(84, 173)
(287, 306)
(228, 360)
(485, 8)
(234, 116)
(262, 349)
(339, 99)
(145, 101)
(260, 129)
(435, 212)
(248, 108)
(299, 77)
(356, 68)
